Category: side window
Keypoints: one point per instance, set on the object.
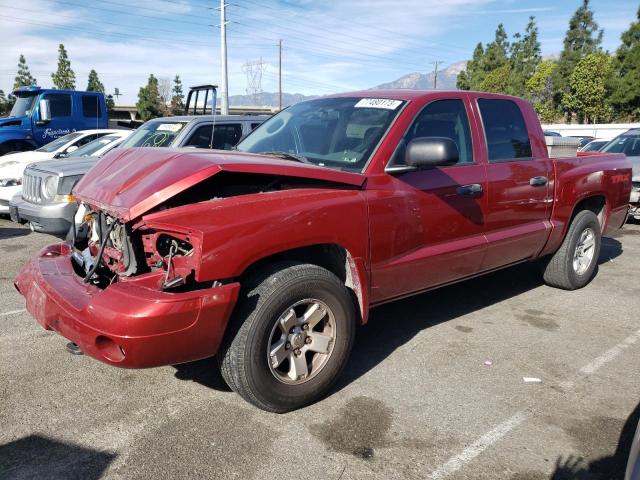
(225, 137)
(444, 118)
(255, 125)
(201, 138)
(506, 132)
(85, 140)
(91, 106)
(60, 104)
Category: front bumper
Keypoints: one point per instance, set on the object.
(55, 218)
(125, 325)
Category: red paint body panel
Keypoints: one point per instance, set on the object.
(403, 232)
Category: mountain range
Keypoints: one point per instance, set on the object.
(446, 81)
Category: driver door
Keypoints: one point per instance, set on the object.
(427, 225)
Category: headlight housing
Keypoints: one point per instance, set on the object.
(10, 182)
(50, 187)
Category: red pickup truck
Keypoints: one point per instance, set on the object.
(271, 255)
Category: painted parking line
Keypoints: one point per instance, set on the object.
(476, 448)
(13, 312)
(467, 455)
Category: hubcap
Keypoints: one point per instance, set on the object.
(585, 248)
(301, 341)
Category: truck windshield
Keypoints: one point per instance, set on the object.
(59, 142)
(339, 133)
(154, 133)
(23, 106)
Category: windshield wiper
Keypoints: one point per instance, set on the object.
(289, 156)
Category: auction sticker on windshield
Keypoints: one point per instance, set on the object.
(169, 127)
(385, 103)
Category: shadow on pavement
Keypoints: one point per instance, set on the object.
(610, 467)
(10, 232)
(204, 372)
(36, 456)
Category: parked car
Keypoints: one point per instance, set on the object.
(593, 146)
(583, 139)
(551, 133)
(53, 215)
(45, 202)
(40, 115)
(269, 256)
(12, 166)
(195, 131)
(629, 144)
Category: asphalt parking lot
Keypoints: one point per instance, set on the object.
(434, 389)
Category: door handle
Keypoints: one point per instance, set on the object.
(470, 190)
(538, 181)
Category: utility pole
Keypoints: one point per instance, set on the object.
(435, 73)
(280, 75)
(224, 82)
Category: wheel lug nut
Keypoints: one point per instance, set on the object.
(307, 340)
(297, 352)
(287, 346)
(305, 326)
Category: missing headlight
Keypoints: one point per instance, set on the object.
(165, 243)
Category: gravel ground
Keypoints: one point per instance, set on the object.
(434, 389)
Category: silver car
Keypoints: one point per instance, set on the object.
(629, 144)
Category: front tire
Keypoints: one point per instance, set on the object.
(290, 337)
(574, 264)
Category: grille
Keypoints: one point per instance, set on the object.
(32, 187)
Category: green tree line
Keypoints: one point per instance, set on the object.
(585, 83)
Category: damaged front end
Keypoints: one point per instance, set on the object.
(108, 250)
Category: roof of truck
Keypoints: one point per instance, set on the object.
(209, 118)
(409, 94)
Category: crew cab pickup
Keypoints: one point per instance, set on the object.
(270, 256)
(40, 115)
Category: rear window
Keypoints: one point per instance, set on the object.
(91, 106)
(505, 129)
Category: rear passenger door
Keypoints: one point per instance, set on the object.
(518, 191)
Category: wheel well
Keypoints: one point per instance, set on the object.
(333, 257)
(596, 204)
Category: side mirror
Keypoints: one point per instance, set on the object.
(431, 152)
(45, 112)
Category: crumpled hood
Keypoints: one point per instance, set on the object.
(129, 182)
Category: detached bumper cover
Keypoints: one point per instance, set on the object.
(124, 325)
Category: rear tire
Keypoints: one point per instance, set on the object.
(289, 338)
(574, 264)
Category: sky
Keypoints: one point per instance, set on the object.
(328, 46)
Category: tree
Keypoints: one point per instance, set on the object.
(588, 88)
(164, 93)
(5, 104)
(498, 80)
(24, 77)
(177, 99)
(625, 96)
(64, 78)
(495, 55)
(94, 84)
(473, 73)
(540, 90)
(110, 102)
(525, 57)
(582, 38)
(149, 104)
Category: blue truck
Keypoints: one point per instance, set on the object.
(41, 115)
